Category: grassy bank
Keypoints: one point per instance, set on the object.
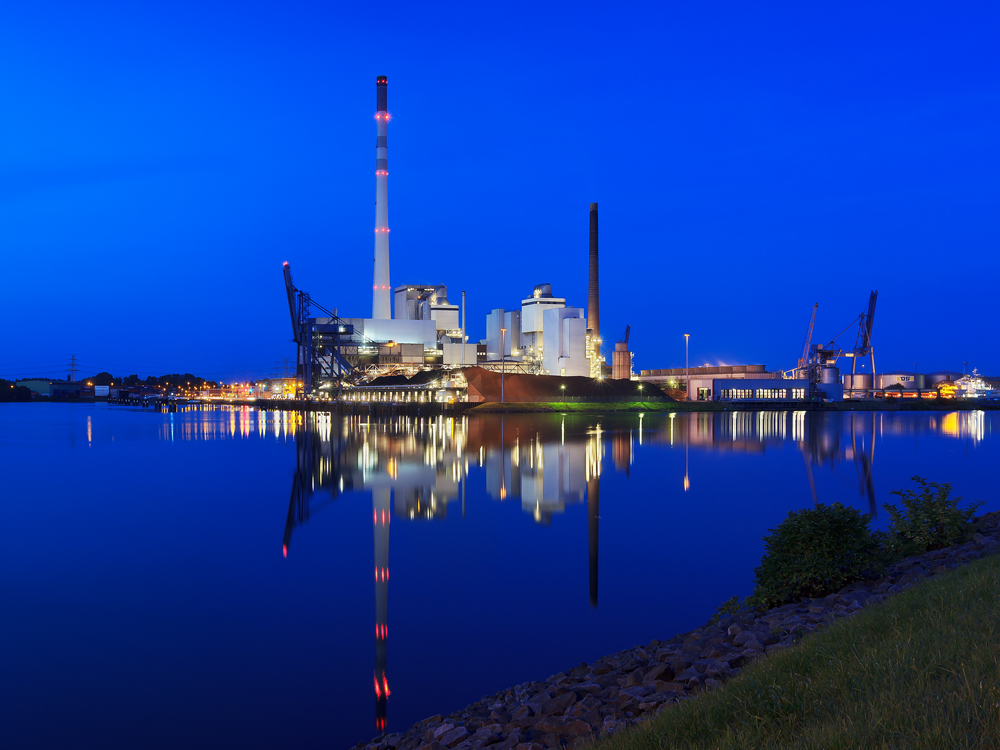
(601, 407)
(921, 670)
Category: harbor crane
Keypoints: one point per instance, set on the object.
(318, 352)
(828, 354)
(804, 358)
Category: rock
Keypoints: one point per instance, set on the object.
(488, 732)
(658, 672)
(669, 687)
(558, 704)
(452, 738)
(688, 676)
(747, 639)
(742, 637)
(637, 692)
(513, 739)
(717, 669)
(679, 664)
(712, 684)
(586, 688)
(632, 678)
(444, 728)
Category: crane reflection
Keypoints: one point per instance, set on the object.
(415, 468)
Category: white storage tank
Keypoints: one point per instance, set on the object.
(830, 375)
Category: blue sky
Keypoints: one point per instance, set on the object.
(157, 165)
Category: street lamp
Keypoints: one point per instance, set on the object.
(687, 368)
(563, 390)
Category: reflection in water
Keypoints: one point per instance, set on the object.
(415, 467)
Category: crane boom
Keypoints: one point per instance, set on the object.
(290, 290)
(870, 320)
(804, 359)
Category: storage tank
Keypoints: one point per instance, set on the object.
(829, 375)
(860, 381)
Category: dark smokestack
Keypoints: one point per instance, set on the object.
(381, 91)
(593, 296)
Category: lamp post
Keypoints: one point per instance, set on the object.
(503, 362)
(563, 387)
(687, 367)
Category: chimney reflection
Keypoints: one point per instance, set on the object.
(415, 467)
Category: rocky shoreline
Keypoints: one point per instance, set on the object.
(572, 708)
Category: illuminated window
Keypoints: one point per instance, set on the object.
(772, 393)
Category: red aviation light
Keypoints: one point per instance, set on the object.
(385, 685)
(378, 688)
(284, 547)
(285, 263)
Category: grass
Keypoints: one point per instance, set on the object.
(921, 670)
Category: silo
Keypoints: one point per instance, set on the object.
(859, 381)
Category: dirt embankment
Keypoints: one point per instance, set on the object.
(541, 388)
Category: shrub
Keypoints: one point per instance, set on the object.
(815, 552)
(731, 608)
(930, 518)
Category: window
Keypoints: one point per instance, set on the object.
(732, 394)
(771, 393)
(799, 393)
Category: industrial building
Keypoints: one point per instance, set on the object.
(424, 329)
(545, 335)
(742, 383)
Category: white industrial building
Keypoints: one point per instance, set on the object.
(565, 342)
(544, 334)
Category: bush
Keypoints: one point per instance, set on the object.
(930, 519)
(733, 608)
(815, 552)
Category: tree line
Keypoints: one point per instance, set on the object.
(11, 391)
(185, 380)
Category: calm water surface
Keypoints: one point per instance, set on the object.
(265, 579)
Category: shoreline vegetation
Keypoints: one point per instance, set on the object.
(597, 407)
(921, 671)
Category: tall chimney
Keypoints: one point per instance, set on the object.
(593, 296)
(382, 291)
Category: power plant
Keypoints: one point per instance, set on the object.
(414, 327)
(427, 331)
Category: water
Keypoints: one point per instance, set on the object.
(234, 578)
